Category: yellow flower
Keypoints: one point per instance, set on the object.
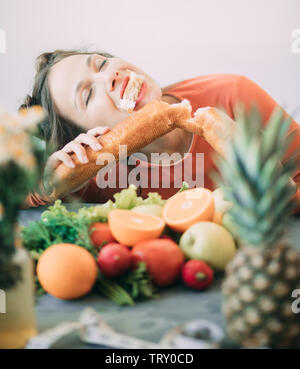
(14, 142)
(29, 118)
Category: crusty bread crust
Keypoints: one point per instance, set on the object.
(154, 120)
(216, 127)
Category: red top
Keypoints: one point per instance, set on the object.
(216, 90)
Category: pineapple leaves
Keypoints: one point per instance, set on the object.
(258, 184)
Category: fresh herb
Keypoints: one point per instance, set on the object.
(134, 286)
(185, 186)
(138, 283)
(113, 291)
(57, 225)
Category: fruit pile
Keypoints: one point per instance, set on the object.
(136, 247)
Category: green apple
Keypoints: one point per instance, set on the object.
(209, 242)
(151, 209)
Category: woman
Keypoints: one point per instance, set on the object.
(81, 94)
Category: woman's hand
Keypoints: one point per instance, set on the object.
(213, 125)
(77, 147)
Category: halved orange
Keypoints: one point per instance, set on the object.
(130, 228)
(217, 218)
(188, 207)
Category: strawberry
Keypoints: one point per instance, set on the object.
(197, 274)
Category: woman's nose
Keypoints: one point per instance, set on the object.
(111, 80)
(115, 80)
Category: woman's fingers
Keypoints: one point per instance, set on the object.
(98, 131)
(89, 140)
(58, 157)
(78, 149)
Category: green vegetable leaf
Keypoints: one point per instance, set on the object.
(138, 283)
(185, 186)
(57, 225)
(154, 199)
(127, 198)
(113, 291)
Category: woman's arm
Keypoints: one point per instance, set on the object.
(248, 92)
(35, 199)
(40, 197)
(77, 147)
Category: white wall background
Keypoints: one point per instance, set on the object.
(170, 39)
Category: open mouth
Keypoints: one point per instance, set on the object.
(124, 85)
(132, 91)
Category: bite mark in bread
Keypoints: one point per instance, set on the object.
(131, 92)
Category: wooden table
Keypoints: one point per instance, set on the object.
(148, 320)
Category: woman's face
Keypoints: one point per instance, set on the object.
(86, 89)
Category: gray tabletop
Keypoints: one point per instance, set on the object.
(148, 320)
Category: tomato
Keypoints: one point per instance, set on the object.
(114, 260)
(100, 234)
(163, 259)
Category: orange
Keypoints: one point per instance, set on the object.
(130, 228)
(217, 218)
(188, 207)
(67, 271)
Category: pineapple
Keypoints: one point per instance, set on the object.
(259, 281)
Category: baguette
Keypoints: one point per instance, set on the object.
(154, 120)
(212, 124)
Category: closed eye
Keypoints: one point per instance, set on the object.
(89, 96)
(91, 90)
(102, 64)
